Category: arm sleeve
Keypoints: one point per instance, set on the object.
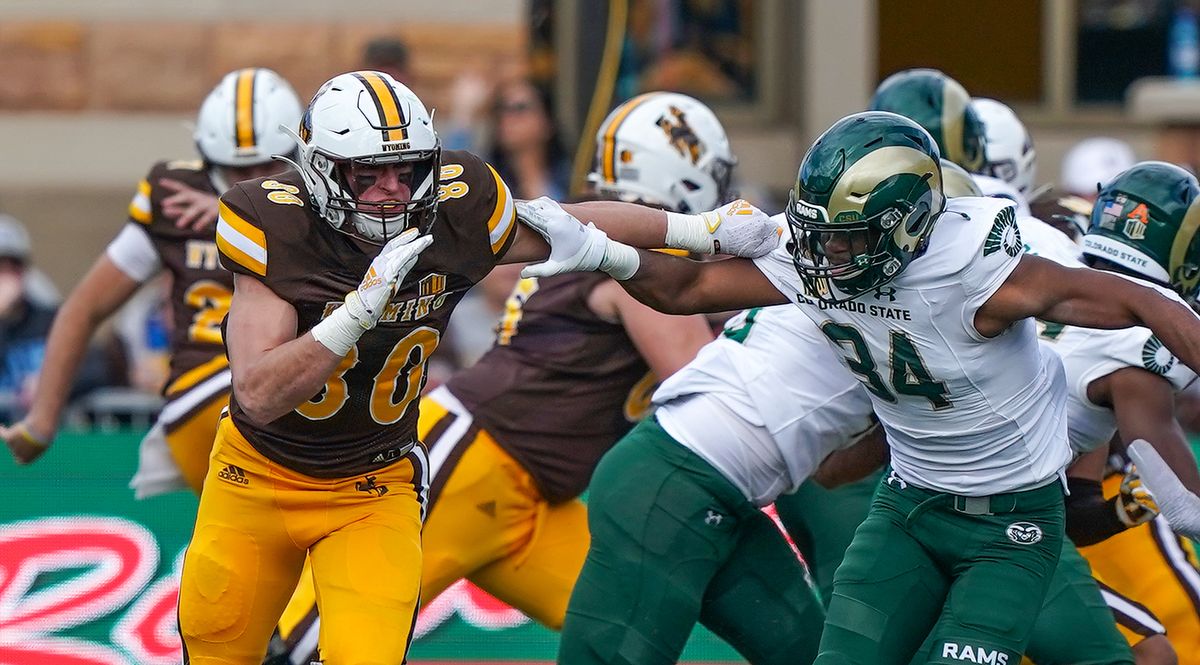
(133, 252)
(1090, 519)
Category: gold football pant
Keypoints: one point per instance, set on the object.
(256, 522)
(190, 440)
(1153, 566)
(488, 524)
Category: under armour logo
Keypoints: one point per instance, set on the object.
(889, 293)
(893, 479)
(713, 518)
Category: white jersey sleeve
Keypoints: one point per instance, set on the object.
(996, 258)
(1041, 239)
(133, 252)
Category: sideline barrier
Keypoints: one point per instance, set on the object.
(89, 576)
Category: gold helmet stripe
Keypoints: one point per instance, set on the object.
(243, 105)
(954, 110)
(854, 187)
(387, 104)
(1183, 238)
(608, 162)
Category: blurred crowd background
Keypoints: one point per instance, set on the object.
(92, 92)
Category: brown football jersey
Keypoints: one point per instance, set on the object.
(200, 288)
(365, 417)
(560, 386)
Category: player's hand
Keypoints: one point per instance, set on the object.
(573, 246)
(737, 229)
(190, 208)
(387, 270)
(23, 443)
(1135, 504)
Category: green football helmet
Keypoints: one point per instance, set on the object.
(867, 194)
(940, 105)
(1145, 222)
(957, 182)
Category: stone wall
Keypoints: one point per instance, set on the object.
(156, 65)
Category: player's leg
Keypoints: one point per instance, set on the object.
(190, 439)
(1154, 567)
(367, 569)
(486, 510)
(661, 525)
(1001, 552)
(242, 562)
(1075, 625)
(760, 601)
(888, 591)
(538, 578)
(822, 522)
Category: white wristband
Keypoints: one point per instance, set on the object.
(338, 332)
(689, 232)
(620, 261)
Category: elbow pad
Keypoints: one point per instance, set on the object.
(1090, 518)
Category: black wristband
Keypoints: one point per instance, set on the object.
(1090, 518)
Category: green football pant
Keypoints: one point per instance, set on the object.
(968, 573)
(1075, 625)
(673, 543)
(822, 522)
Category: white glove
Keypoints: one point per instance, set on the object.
(736, 228)
(339, 331)
(398, 256)
(1177, 504)
(573, 246)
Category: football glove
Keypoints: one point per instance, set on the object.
(737, 229)
(1135, 505)
(573, 246)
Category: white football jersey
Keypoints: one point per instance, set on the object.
(964, 413)
(1089, 354)
(765, 402)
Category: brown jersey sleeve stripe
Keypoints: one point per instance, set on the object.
(139, 208)
(609, 146)
(240, 241)
(387, 104)
(504, 219)
(197, 374)
(243, 125)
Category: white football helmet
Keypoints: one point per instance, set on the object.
(239, 121)
(1010, 153)
(666, 149)
(368, 119)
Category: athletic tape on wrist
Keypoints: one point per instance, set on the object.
(620, 261)
(688, 232)
(338, 332)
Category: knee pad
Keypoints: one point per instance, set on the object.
(216, 595)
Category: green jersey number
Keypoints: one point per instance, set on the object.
(908, 372)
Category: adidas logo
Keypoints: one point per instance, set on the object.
(233, 474)
(372, 279)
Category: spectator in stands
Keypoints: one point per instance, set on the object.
(526, 149)
(24, 325)
(390, 56)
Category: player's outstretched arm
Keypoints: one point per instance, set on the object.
(1144, 404)
(736, 229)
(94, 299)
(1089, 298)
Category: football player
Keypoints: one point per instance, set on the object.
(939, 104)
(977, 454)
(1125, 381)
(345, 273)
(514, 438)
(170, 228)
